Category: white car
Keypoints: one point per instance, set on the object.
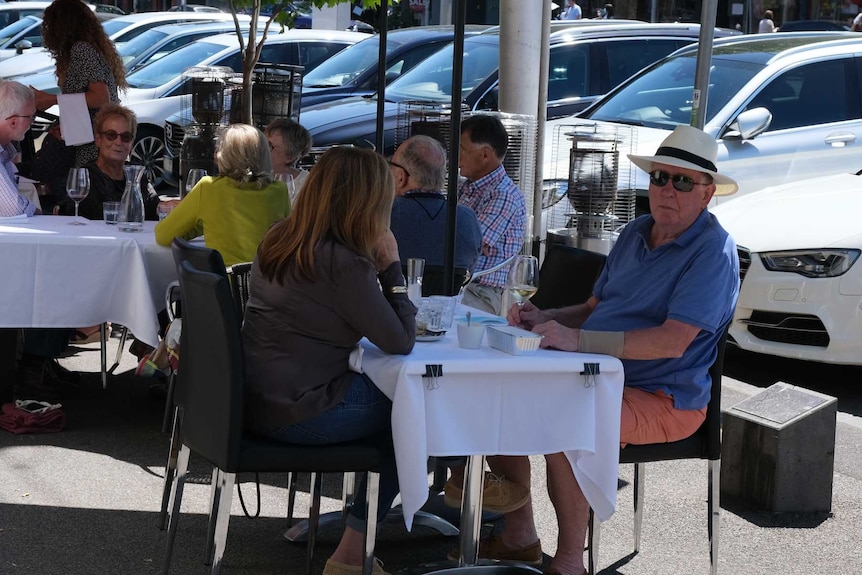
(799, 246)
(156, 90)
(119, 29)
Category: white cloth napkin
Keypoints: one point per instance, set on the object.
(75, 119)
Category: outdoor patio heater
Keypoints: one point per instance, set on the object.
(210, 88)
(434, 119)
(597, 185)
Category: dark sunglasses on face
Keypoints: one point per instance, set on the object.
(126, 137)
(681, 182)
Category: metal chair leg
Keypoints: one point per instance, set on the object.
(120, 346)
(215, 493)
(291, 497)
(103, 353)
(313, 517)
(640, 474)
(171, 467)
(348, 495)
(714, 509)
(372, 494)
(169, 401)
(221, 512)
(594, 536)
(175, 502)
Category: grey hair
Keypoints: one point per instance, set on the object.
(243, 155)
(425, 159)
(13, 95)
(297, 140)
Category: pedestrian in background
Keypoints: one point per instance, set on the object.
(767, 25)
(571, 11)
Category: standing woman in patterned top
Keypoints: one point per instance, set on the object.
(86, 61)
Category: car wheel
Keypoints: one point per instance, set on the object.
(148, 151)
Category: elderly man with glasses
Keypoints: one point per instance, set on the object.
(660, 304)
(17, 108)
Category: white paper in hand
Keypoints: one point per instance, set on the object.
(75, 119)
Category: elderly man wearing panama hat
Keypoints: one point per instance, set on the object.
(660, 305)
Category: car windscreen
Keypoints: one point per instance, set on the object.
(136, 46)
(165, 69)
(662, 96)
(114, 25)
(431, 79)
(15, 29)
(345, 66)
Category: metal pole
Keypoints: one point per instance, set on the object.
(459, 16)
(381, 73)
(704, 60)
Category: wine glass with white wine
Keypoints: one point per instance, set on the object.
(523, 279)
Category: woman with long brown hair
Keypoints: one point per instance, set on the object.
(315, 292)
(86, 61)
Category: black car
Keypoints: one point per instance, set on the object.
(351, 72)
(587, 60)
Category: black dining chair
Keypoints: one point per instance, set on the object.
(705, 443)
(567, 276)
(212, 386)
(204, 259)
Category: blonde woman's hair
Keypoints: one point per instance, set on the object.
(243, 155)
(348, 196)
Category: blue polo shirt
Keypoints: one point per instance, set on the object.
(694, 279)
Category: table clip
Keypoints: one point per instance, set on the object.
(432, 372)
(591, 370)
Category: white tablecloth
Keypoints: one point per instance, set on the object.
(490, 403)
(60, 275)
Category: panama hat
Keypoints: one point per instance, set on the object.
(692, 149)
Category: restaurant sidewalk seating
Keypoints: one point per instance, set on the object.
(211, 383)
(705, 443)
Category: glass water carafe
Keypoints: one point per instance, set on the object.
(131, 216)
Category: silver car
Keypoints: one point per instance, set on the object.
(783, 107)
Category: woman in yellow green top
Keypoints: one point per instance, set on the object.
(234, 210)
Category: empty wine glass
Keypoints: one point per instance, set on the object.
(193, 177)
(78, 186)
(523, 279)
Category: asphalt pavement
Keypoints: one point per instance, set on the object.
(85, 501)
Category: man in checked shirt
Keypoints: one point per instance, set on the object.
(17, 110)
(498, 203)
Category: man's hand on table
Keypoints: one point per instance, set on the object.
(527, 316)
(541, 322)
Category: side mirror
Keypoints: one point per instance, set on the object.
(749, 124)
(22, 45)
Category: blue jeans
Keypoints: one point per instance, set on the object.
(363, 412)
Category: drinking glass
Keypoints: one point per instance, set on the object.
(78, 186)
(523, 279)
(193, 177)
(288, 181)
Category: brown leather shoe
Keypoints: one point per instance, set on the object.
(499, 495)
(494, 548)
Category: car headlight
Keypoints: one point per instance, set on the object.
(811, 263)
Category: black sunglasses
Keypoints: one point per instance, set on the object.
(681, 182)
(112, 135)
